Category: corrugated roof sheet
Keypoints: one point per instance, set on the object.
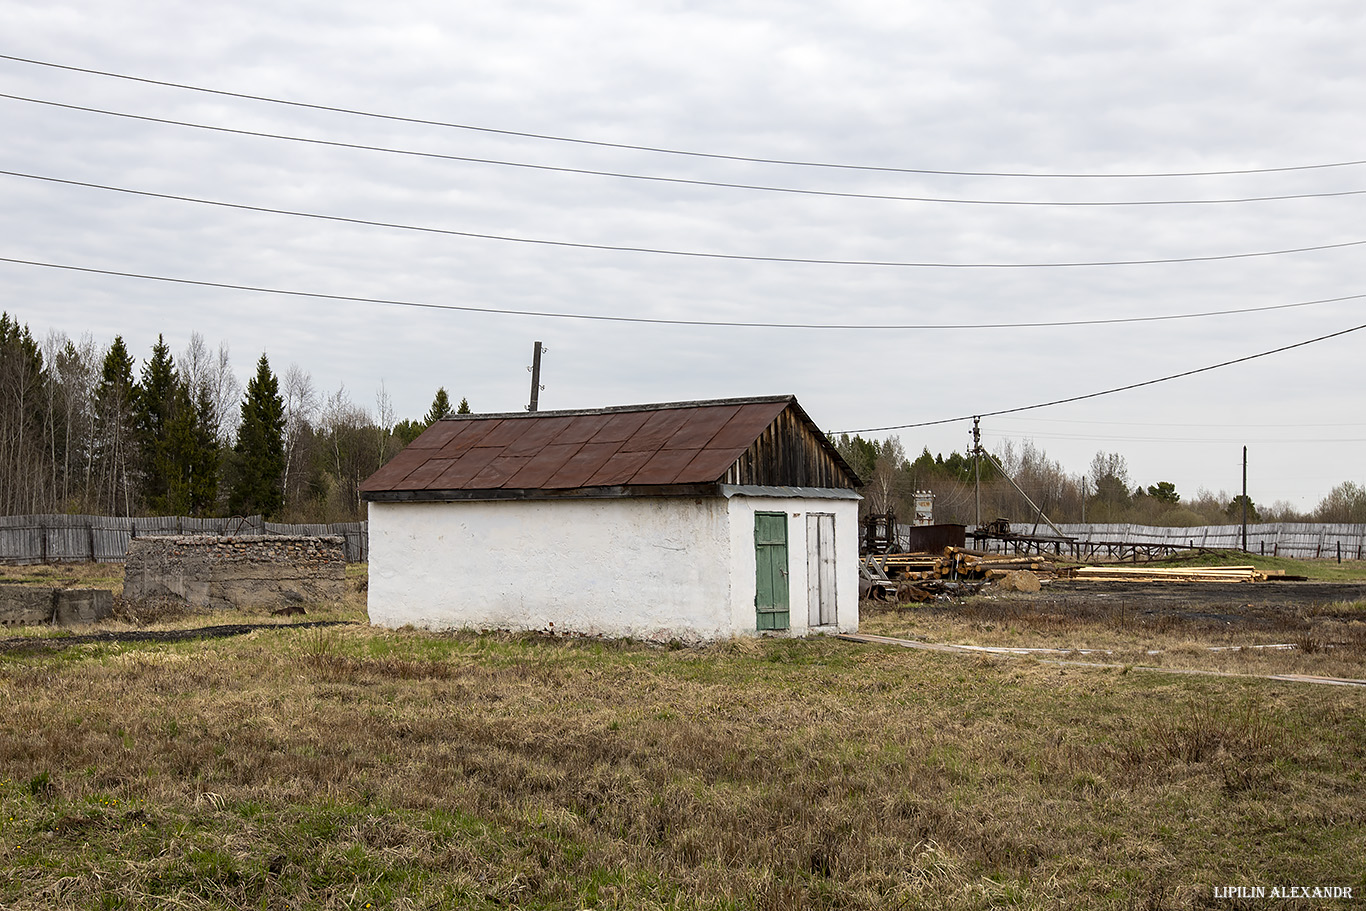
(685, 443)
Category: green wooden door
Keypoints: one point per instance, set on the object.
(770, 562)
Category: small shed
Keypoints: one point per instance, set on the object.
(686, 520)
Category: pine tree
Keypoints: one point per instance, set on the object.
(464, 407)
(160, 404)
(190, 454)
(260, 450)
(115, 445)
(406, 431)
(21, 425)
(203, 463)
(441, 407)
(173, 454)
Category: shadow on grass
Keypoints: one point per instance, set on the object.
(39, 644)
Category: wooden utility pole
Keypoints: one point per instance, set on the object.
(1245, 499)
(977, 463)
(535, 377)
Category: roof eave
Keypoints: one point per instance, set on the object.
(517, 493)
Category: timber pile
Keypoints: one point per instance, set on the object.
(957, 571)
(1188, 574)
(976, 564)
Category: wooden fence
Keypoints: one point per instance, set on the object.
(1301, 540)
(104, 539)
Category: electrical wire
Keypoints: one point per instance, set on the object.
(1186, 439)
(799, 191)
(668, 151)
(1094, 395)
(728, 324)
(1035, 421)
(693, 254)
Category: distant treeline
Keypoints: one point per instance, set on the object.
(82, 432)
(1104, 494)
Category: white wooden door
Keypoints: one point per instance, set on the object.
(820, 569)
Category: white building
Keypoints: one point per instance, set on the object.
(691, 520)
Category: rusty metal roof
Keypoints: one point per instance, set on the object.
(647, 448)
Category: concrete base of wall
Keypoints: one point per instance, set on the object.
(251, 571)
(27, 605)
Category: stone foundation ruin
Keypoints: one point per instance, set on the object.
(246, 571)
(43, 605)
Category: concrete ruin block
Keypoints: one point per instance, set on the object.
(25, 605)
(31, 605)
(248, 571)
(78, 606)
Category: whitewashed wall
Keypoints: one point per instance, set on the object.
(646, 568)
(742, 510)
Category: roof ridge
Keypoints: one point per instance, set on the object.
(621, 409)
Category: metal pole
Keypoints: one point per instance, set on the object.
(535, 377)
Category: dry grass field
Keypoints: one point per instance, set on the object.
(345, 767)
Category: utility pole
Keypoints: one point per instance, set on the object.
(977, 463)
(536, 386)
(1244, 499)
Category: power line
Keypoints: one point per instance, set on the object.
(729, 324)
(1282, 426)
(1186, 439)
(667, 151)
(693, 254)
(1093, 395)
(799, 191)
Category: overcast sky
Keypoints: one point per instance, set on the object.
(890, 92)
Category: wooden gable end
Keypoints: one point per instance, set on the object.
(790, 452)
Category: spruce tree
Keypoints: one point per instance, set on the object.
(114, 429)
(260, 451)
(21, 421)
(190, 454)
(464, 407)
(406, 431)
(159, 404)
(202, 466)
(441, 407)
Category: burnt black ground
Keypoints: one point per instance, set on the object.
(1252, 605)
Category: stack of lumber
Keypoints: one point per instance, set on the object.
(906, 577)
(894, 564)
(976, 564)
(1187, 574)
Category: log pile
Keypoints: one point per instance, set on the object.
(977, 564)
(908, 578)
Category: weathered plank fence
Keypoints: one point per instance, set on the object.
(1301, 540)
(104, 539)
